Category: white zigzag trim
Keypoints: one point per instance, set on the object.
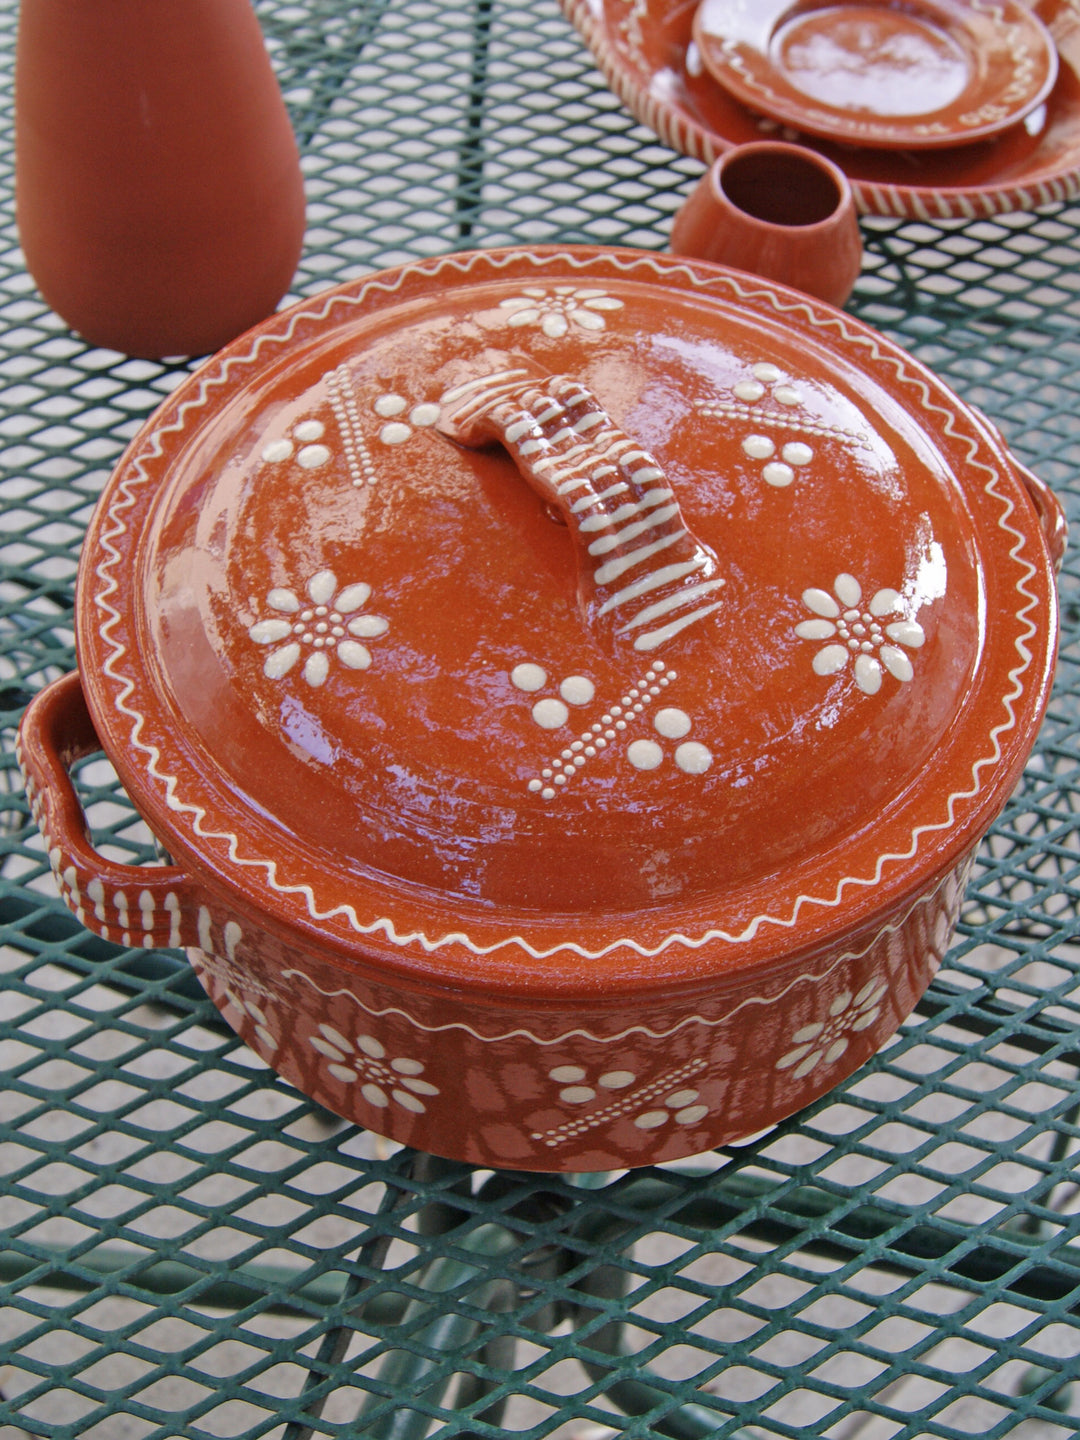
(464, 264)
(806, 977)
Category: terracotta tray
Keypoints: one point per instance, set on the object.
(645, 50)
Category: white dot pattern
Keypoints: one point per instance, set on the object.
(364, 1061)
(343, 401)
(777, 474)
(310, 456)
(797, 453)
(759, 447)
(644, 754)
(666, 1089)
(749, 391)
(723, 409)
(579, 690)
(672, 724)
(392, 407)
(529, 678)
(693, 758)
(550, 714)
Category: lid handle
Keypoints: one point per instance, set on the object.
(643, 576)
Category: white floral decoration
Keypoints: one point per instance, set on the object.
(655, 1103)
(364, 1061)
(556, 309)
(825, 1041)
(682, 1106)
(257, 1015)
(327, 625)
(864, 634)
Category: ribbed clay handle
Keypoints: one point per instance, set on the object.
(135, 905)
(641, 571)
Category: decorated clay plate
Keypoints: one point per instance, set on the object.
(571, 685)
(911, 75)
(647, 53)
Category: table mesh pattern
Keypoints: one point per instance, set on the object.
(189, 1247)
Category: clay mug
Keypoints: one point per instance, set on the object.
(159, 198)
(776, 210)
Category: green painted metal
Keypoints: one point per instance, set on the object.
(191, 1248)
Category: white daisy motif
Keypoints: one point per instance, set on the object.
(825, 1041)
(556, 309)
(364, 1061)
(324, 625)
(862, 633)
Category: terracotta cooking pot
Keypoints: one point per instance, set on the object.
(571, 685)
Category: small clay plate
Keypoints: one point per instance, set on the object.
(920, 74)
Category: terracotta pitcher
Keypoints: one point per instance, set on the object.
(159, 198)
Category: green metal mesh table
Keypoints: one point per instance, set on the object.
(188, 1247)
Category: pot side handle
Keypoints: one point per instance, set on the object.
(136, 905)
(1052, 518)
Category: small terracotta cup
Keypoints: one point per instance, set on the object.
(777, 210)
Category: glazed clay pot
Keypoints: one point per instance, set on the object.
(571, 686)
(777, 210)
(159, 199)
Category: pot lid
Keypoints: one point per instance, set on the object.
(564, 613)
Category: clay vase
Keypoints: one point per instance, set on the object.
(776, 210)
(159, 198)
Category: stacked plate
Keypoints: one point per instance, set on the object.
(919, 76)
(933, 108)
